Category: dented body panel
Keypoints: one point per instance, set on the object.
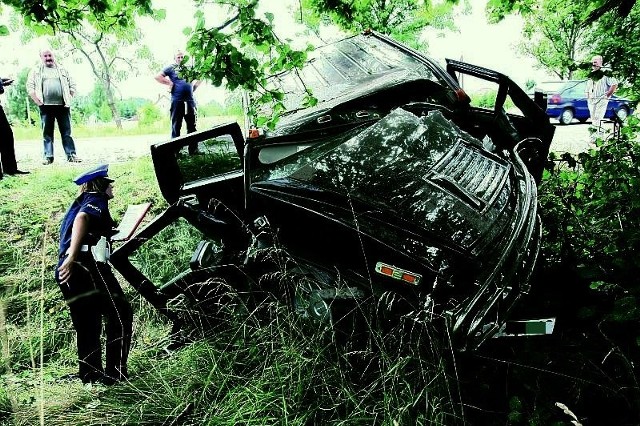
(391, 184)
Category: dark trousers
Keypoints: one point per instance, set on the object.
(187, 111)
(48, 115)
(7, 146)
(93, 293)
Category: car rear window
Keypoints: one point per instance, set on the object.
(551, 86)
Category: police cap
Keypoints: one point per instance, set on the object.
(100, 171)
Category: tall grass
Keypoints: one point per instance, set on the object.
(260, 365)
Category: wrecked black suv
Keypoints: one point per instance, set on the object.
(394, 185)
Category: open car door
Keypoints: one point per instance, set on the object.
(513, 109)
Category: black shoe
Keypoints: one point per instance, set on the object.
(17, 172)
(47, 161)
(73, 159)
(106, 380)
(109, 380)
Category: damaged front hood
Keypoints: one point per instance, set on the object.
(423, 174)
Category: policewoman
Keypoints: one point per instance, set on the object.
(87, 283)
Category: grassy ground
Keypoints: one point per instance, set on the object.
(262, 367)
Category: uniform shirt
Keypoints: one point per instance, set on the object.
(182, 90)
(94, 204)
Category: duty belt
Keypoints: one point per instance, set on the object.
(83, 248)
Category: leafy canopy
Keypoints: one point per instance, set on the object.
(498, 9)
(47, 15)
(556, 36)
(403, 20)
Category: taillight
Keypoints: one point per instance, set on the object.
(397, 273)
(555, 99)
(462, 96)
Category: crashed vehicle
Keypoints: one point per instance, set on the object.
(393, 184)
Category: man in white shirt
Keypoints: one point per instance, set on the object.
(51, 88)
(600, 87)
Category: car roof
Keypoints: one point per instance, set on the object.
(557, 86)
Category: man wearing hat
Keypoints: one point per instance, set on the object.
(87, 283)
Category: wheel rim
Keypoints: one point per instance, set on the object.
(567, 116)
(622, 114)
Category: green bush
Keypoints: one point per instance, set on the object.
(592, 209)
(149, 114)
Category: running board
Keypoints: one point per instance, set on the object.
(535, 327)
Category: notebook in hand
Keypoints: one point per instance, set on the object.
(130, 221)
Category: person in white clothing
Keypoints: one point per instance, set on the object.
(600, 86)
(52, 88)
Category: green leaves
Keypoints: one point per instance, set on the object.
(240, 53)
(68, 14)
(404, 20)
(591, 214)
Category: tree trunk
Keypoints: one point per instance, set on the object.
(112, 105)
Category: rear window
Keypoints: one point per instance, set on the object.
(335, 69)
(575, 88)
(551, 86)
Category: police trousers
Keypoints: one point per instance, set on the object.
(93, 294)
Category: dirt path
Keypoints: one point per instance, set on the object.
(92, 151)
(572, 138)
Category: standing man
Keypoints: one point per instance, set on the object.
(8, 163)
(600, 87)
(183, 104)
(88, 285)
(51, 88)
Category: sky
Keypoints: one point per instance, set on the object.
(477, 42)
(488, 45)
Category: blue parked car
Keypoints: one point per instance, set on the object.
(566, 100)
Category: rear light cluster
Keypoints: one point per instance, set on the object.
(555, 99)
(398, 274)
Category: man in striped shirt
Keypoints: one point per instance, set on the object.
(600, 87)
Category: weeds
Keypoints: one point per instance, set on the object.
(257, 363)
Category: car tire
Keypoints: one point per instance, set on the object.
(566, 117)
(622, 113)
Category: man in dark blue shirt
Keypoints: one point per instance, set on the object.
(8, 163)
(183, 104)
(87, 283)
